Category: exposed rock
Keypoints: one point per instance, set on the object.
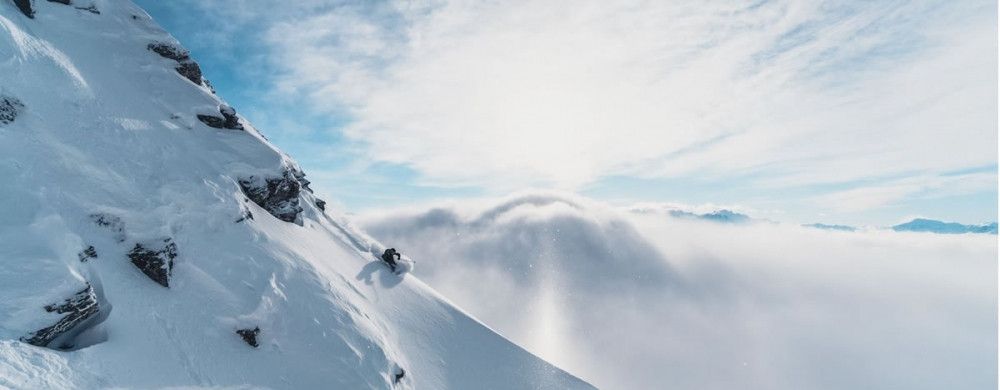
(26, 7)
(321, 204)
(155, 263)
(399, 376)
(167, 50)
(212, 121)
(9, 108)
(185, 65)
(249, 335)
(279, 196)
(190, 70)
(87, 254)
(208, 85)
(232, 121)
(300, 176)
(79, 310)
(91, 8)
(111, 222)
(63, 2)
(229, 119)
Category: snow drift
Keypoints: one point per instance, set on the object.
(153, 238)
(633, 300)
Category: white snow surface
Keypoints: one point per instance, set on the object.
(109, 127)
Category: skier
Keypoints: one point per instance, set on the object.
(390, 256)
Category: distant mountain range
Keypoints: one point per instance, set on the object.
(933, 226)
(922, 225)
(724, 216)
(824, 226)
(732, 217)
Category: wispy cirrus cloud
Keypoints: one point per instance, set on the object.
(819, 98)
(551, 93)
(872, 196)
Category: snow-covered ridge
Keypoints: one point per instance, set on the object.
(153, 238)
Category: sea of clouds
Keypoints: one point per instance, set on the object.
(631, 300)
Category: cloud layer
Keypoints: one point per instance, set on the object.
(641, 301)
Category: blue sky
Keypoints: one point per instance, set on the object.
(862, 113)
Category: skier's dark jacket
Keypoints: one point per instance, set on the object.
(390, 256)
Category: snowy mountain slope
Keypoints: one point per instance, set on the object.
(154, 223)
(640, 301)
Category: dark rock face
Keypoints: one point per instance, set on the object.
(166, 50)
(91, 8)
(185, 65)
(63, 2)
(190, 70)
(87, 254)
(25, 7)
(212, 121)
(249, 335)
(229, 119)
(209, 85)
(79, 310)
(279, 196)
(9, 108)
(321, 204)
(301, 178)
(111, 222)
(155, 263)
(232, 121)
(399, 376)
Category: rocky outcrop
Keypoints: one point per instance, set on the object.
(80, 313)
(249, 335)
(185, 65)
(321, 204)
(90, 8)
(229, 120)
(87, 254)
(9, 108)
(278, 195)
(232, 121)
(156, 263)
(212, 121)
(300, 176)
(112, 223)
(190, 70)
(26, 7)
(399, 376)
